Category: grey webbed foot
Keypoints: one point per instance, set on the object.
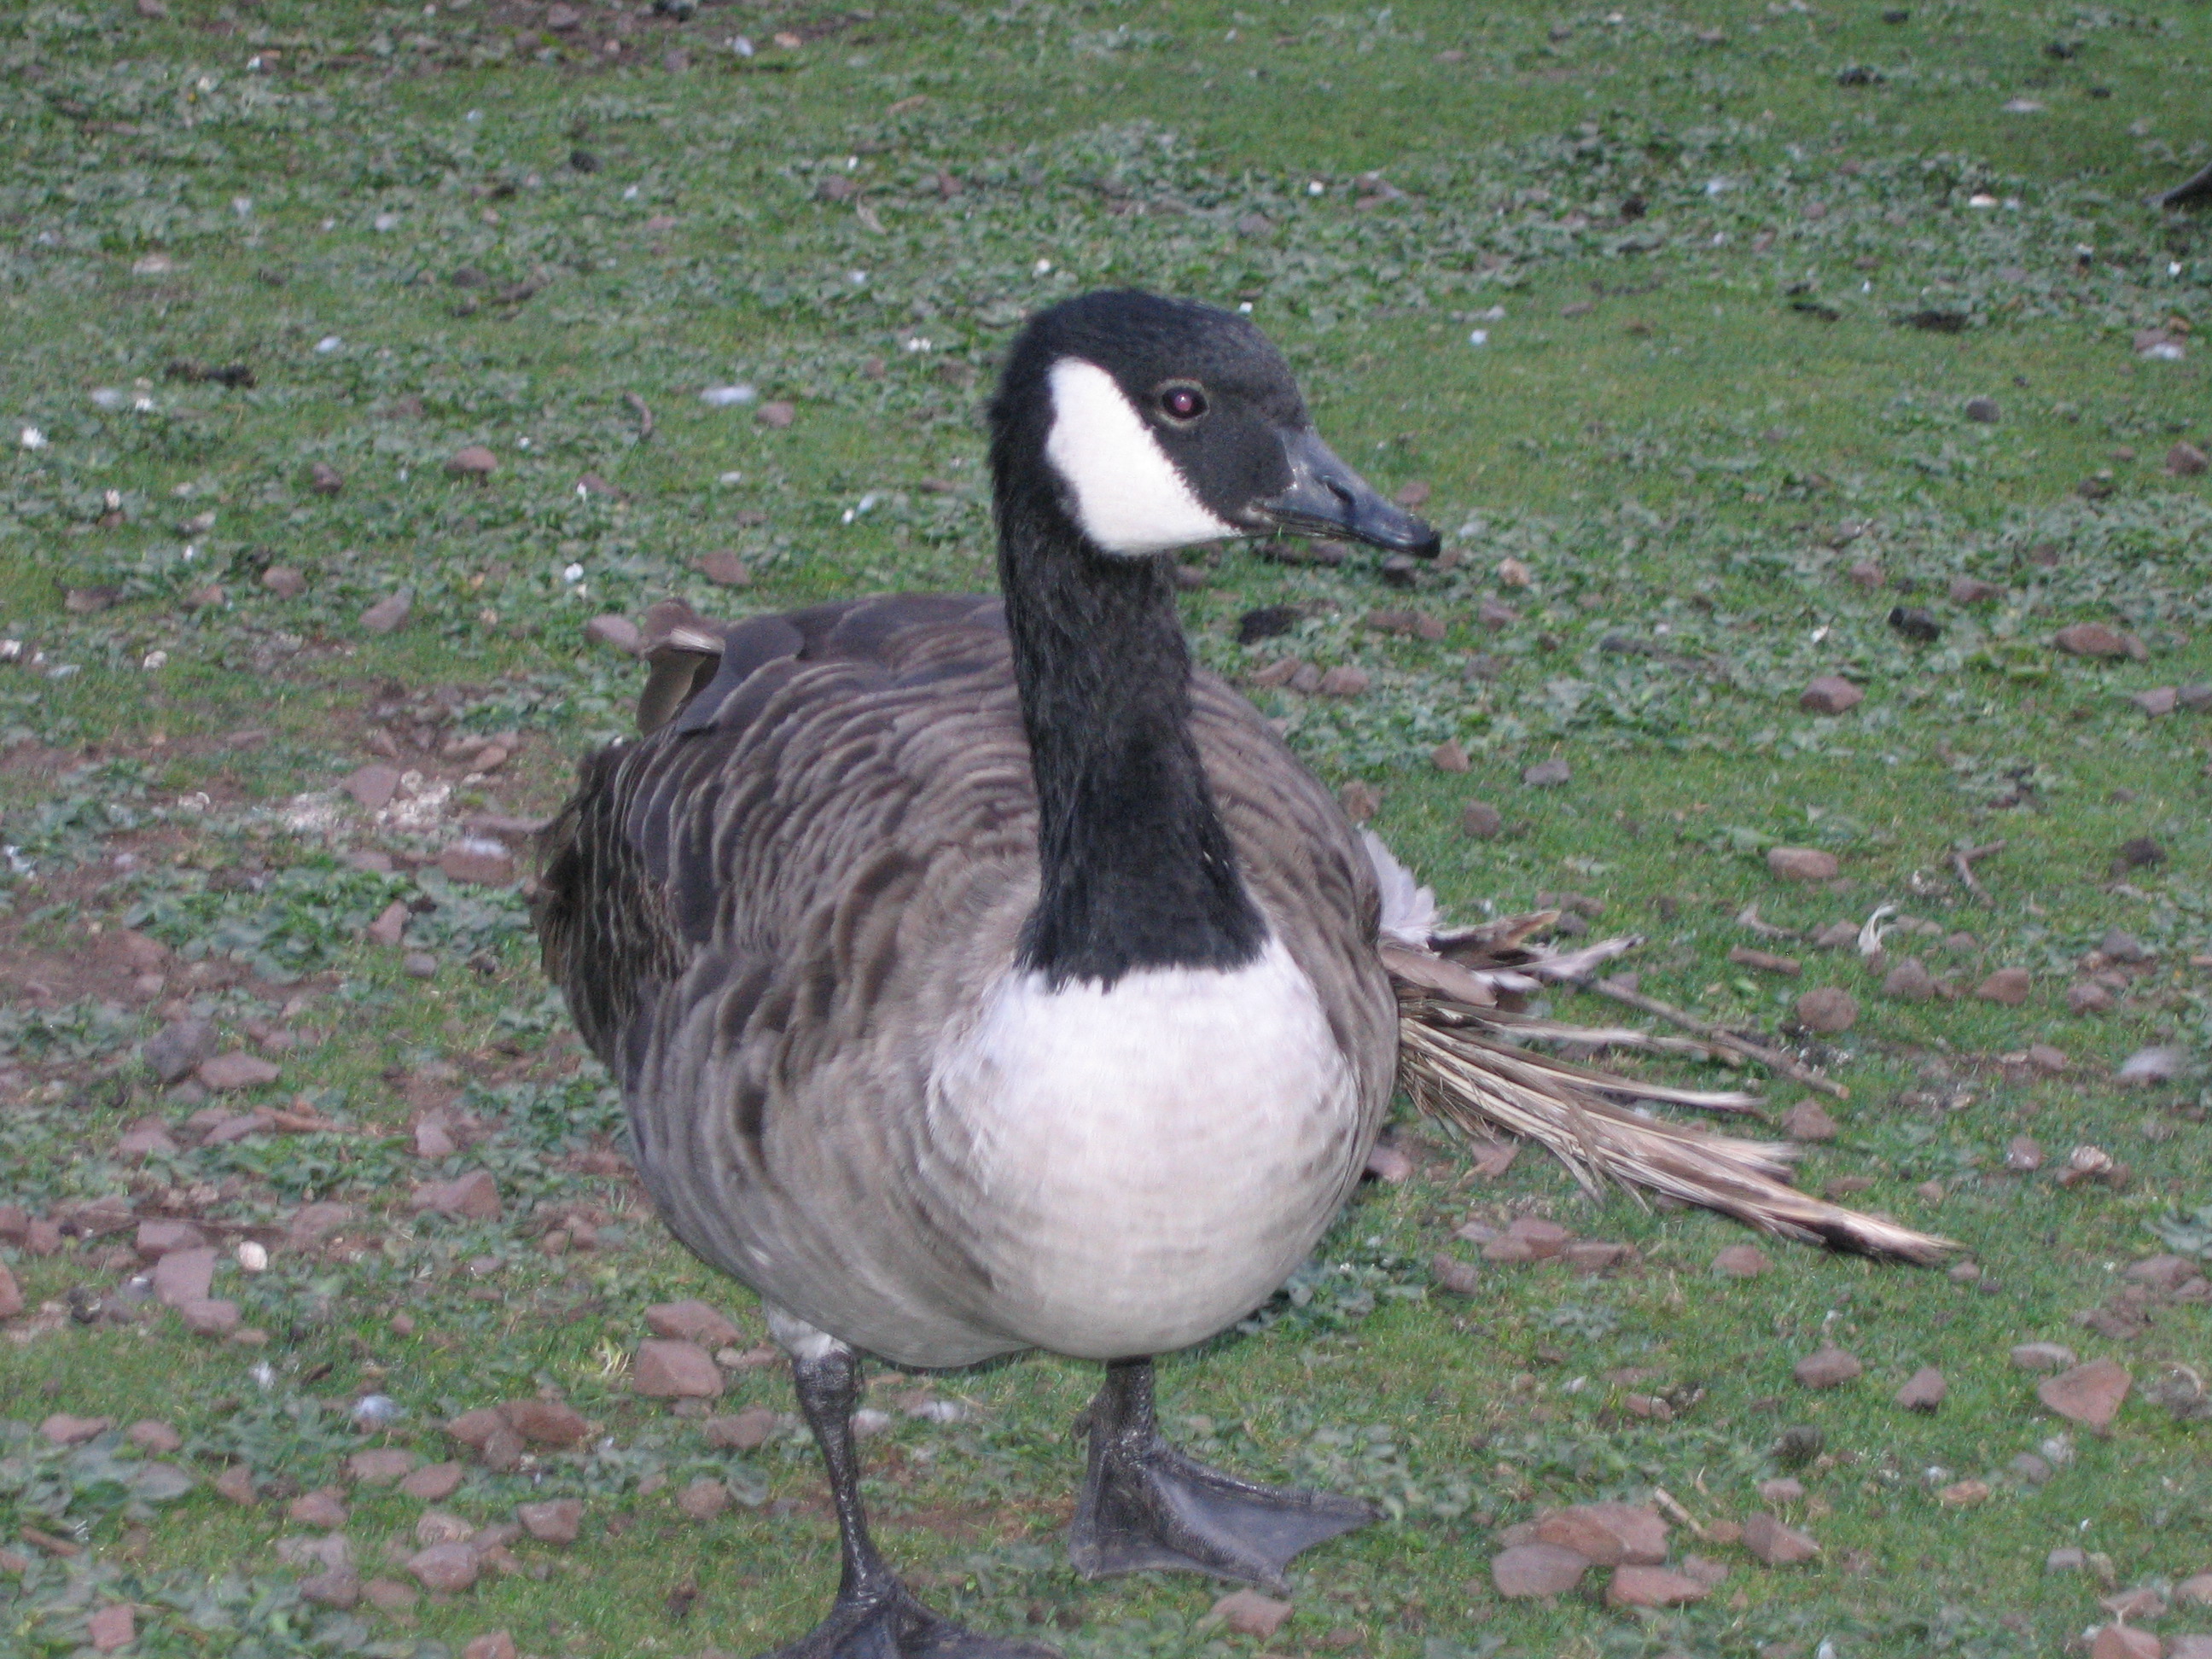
(1145, 1505)
(886, 1622)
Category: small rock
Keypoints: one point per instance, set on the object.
(313, 1223)
(2185, 460)
(2088, 997)
(2089, 1394)
(547, 1422)
(2125, 1642)
(675, 1371)
(228, 1073)
(434, 1483)
(155, 1437)
(381, 1466)
(1805, 1121)
(1909, 982)
(725, 569)
(492, 1644)
(157, 1238)
(1450, 1273)
(692, 1321)
(741, 1432)
(473, 1197)
(1868, 574)
(1548, 773)
(115, 1625)
(1362, 801)
(1827, 1010)
(388, 613)
(2157, 703)
(2008, 986)
(445, 1568)
(173, 1051)
(1915, 625)
(183, 1276)
(1963, 1494)
(1248, 1613)
(1653, 1587)
(1742, 1261)
(373, 786)
(2030, 1468)
(1479, 821)
(208, 1316)
(1783, 1489)
(419, 965)
(2167, 1273)
(1536, 1569)
(1983, 410)
(236, 1483)
(2148, 1067)
(1776, 1544)
(324, 479)
(388, 1595)
(11, 1293)
(1389, 1162)
(1830, 694)
(1449, 756)
(63, 1430)
(620, 632)
(473, 462)
(334, 1587)
(1923, 1390)
(478, 864)
(703, 1499)
(1345, 680)
(324, 1508)
(1827, 1368)
(2096, 639)
(1972, 590)
(2043, 1357)
(2197, 1589)
(778, 414)
(1607, 1535)
(1800, 862)
(557, 1520)
(2044, 1058)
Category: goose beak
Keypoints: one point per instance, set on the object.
(1327, 498)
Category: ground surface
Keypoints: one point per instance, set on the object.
(1674, 314)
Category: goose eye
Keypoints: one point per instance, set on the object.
(1184, 403)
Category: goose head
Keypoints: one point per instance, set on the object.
(1148, 423)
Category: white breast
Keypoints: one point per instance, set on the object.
(1146, 1163)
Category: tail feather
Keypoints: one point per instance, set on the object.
(1463, 1057)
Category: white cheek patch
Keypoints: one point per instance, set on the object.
(1129, 497)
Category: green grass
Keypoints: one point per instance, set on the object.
(1694, 414)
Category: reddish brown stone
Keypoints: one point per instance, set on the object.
(1777, 1545)
(63, 1430)
(474, 461)
(1830, 694)
(741, 1432)
(446, 1569)
(1607, 1535)
(1248, 1613)
(1923, 1390)
(2089, 1394)
(1800, 862)
(381, 1466)
(546, 1422)
(1827, 1010)
(1653, 1587)
(1742, 1261)
(675, 1371)
(555, 1521)
(692, 1321)
(433, 1482)
(472, 1197)
(1536, 1569)
(703, 1499)
(2096, 639)
(1827, 1368)
(2008, 986)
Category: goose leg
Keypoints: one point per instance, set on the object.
(875, 1616)
(1146, 1505)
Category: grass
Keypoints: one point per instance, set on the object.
(1735, 290)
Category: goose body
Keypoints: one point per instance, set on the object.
(846, 1090)
(980, 977)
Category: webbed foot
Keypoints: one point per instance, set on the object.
(887, 1622)
(1146, 1506)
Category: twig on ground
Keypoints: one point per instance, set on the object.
(1774, 1059)
(1749, 917)
(1962, 861)
(644, 416)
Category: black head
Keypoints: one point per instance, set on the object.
(1155, 423)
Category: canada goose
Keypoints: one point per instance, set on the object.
(978, 975)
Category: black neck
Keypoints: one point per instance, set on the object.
(1137, 868)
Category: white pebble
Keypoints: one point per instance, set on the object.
(253, 1256)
